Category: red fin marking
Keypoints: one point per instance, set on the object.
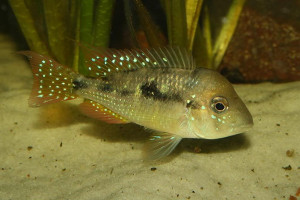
(52, 81)
(97, 111)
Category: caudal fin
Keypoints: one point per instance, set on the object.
(52, 81)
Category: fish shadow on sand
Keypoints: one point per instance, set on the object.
(228, 144)
(59, 115)
(116, 132)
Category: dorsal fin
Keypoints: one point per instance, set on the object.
(101, 62)
(95, 110)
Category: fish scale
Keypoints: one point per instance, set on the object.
(160, 89)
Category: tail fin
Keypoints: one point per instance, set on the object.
(52, 81)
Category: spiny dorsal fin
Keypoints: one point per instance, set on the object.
(160, 145)
(101, 62)
(95, 110)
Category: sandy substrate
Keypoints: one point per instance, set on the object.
(55, 152)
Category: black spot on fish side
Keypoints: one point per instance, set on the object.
(125, 92)
(192, 104)
(77, 84)
(150, 90)
(106, 87)
(130, 70)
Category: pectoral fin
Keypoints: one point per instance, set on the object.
(160, 145)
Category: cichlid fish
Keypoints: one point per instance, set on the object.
(160, 89)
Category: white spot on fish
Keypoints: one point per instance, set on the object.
(193, 96)
(213, 117)
(203, 107)
(43, 61)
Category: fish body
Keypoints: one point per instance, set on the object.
(160, 89)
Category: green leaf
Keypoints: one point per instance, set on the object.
(102, 24)
(27, 23)
(176, 22)
(193, 8)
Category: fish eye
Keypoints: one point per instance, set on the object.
(219, 104)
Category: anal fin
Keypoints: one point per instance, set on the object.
(97, 111)
(160, 145)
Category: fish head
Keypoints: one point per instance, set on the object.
(219, 112)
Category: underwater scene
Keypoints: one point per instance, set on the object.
(149, 99)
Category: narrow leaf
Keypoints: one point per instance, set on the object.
(27, 24)
(176, 21)
(193, 8)
(102, 24)
(227, 31)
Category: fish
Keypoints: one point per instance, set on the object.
(160, 89)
